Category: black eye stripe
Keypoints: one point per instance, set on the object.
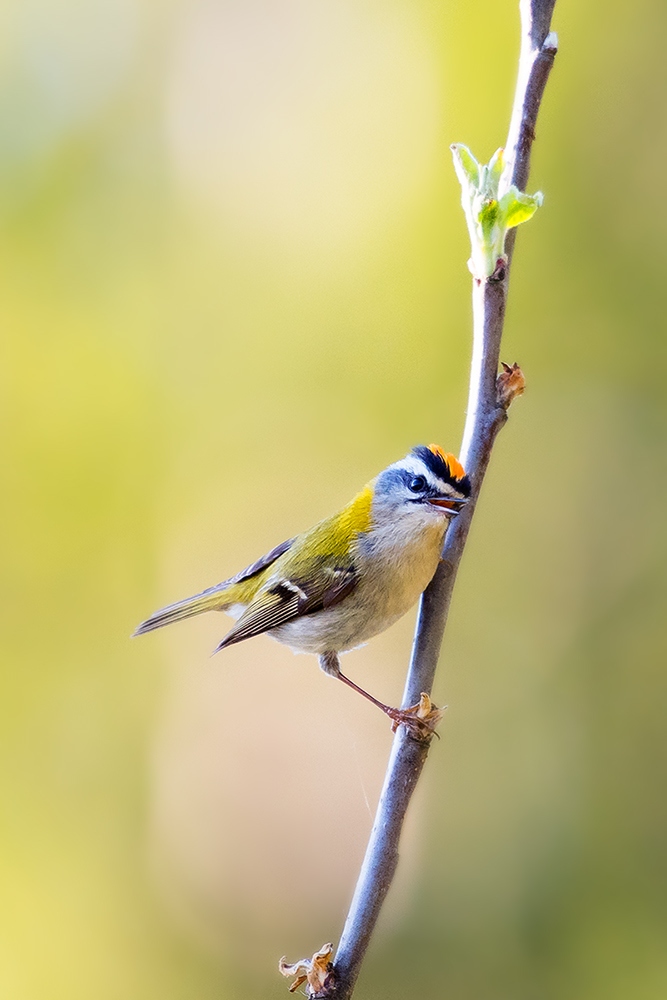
(439, 467)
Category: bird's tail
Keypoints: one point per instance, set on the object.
(213, 599)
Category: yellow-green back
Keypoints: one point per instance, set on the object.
(329, 540)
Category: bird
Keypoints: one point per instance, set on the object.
(348, 578)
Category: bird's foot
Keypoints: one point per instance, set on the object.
(420, 720)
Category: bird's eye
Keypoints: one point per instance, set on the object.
(418, 484)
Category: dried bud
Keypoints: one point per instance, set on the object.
(424, 717)
(316, 972)
(509, 384)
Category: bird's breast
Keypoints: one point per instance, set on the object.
(397, 563)
(394, 565)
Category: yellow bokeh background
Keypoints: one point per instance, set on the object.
(233, 289)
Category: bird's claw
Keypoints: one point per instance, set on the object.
(420, 720)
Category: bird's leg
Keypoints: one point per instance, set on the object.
(418, 725)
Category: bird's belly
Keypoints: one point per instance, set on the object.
(386, 592)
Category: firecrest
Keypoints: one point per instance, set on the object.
(349, 577)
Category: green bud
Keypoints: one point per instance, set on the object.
(489, 216)
(519, 207)
(465, 164)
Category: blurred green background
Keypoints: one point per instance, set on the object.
(233, 289)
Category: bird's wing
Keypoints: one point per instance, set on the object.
(286, 599)
(258, 566)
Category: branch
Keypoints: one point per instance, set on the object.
(489, 398)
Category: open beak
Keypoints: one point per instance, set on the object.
(454, 507)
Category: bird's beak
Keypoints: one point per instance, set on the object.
(452, 506)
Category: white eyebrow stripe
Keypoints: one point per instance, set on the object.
(415, 466)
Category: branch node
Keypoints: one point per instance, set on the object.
(421, 720)
(499, 270)
(550, 43)
(316, 972)
(509, 384)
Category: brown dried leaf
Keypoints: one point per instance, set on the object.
(316, 972)
(509, 384)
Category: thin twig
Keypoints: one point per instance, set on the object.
(487, 413)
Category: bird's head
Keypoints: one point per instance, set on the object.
(428, 480)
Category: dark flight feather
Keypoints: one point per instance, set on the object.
(287, 600)
(258, 566)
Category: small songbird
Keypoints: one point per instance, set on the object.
(349, 577)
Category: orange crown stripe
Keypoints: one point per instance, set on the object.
(455, 467)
